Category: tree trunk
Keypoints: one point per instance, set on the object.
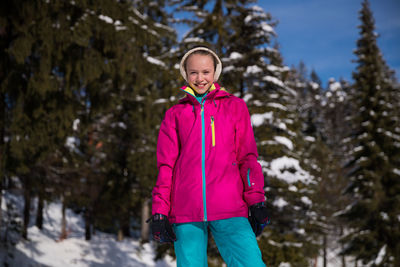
(343, 258)
(88, 225)
(125, 225)
(39, 212)
(63, 221)
(325, 264)
(120, 236)
(2, 148)
(27, 207)
(1, 197)
(241, 88)
(145, 216)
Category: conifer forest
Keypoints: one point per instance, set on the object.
(84, 86)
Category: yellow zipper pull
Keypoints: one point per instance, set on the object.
(213, 130)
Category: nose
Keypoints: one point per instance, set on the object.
(200, 77)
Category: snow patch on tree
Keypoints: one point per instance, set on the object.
(284, 141)
(289, 170)
(258, 119)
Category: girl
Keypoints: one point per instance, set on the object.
(209, 177)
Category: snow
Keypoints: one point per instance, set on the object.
(155, 61)
(72, 143)
(285, 141)
(193, 40)
(106, 19)
(248, 19)
(292, 188)
(252, 70)
(309, 138)
(274, 68)
(384, 216)
(286, 244)
(314, 86)
(335, 86)
(273, 80)
(258, 119)
(44, 248)
(280, 203)
(381, 255)
(306, 200)
(160, 101)
(228, 69)
(247, 97)
(235, 55)
(109, 20)
(119, 124)
(277, 105)
(75, 124)
(288, 169)
(267, 28)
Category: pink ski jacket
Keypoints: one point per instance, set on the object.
(207, 160)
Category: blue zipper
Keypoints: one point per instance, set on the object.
(203, 162)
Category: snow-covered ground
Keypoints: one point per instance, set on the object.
(44, 248)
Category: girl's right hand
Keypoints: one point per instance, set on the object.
(161, 229)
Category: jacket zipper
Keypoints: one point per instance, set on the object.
(212, 131)
(203, 162)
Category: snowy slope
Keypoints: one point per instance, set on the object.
(45, 249)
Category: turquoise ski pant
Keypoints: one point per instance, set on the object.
(234, 237)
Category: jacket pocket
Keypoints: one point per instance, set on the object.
(213, 130)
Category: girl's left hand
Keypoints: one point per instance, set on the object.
(259, 217)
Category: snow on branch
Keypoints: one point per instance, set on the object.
(288, 169)
(273, 80)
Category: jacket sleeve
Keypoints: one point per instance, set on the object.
(246, 153)
(167, 153)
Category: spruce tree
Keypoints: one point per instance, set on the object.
(372, 169)
(330, 158)
(247, 57)
(40, 116)
(67, 63)
(116, 123)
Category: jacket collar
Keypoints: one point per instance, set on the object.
(215, 92)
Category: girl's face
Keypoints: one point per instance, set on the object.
(200, 72)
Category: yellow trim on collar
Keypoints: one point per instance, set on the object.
(189, 90)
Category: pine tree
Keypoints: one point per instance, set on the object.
(68, 68)
(39, 114)
(372, 168)
(118, 127)
(247, 56)
(332, 181)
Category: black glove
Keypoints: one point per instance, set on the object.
(258, 217)
(161, 229)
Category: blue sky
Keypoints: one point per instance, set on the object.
(323, 33)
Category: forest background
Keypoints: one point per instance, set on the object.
(84, 86)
